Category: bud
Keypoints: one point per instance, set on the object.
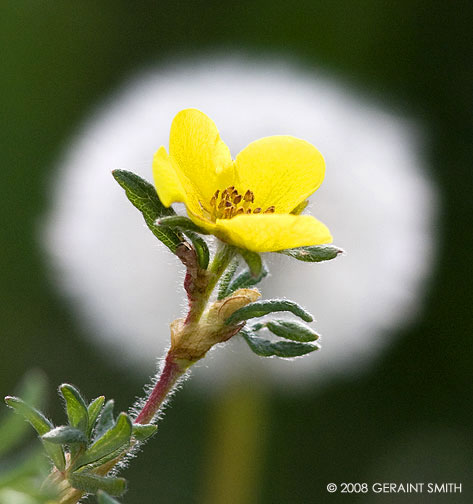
(190, 342)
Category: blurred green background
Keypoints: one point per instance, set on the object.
(411, 417)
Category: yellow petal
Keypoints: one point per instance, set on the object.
(201, 157)
(272, 232)
(166, 179)
(282, 171)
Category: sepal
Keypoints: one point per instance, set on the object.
(283, 349)
(144, 197)
(201, 249)
(181, 223)
(292, 330)
(244, 280)
(313, 253)
(263, 307)
(223, 286)
(254, 262)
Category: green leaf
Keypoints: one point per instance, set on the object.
(65, 434)
(12, 427)
(143, 432)
(284, 349)
(115, 438)
(227, 278)
(38, 421)
(201, 249)
(261, 308)
(106, 420)
(104, 498)
(313, 253)
(292, 329)
(41, 425)
(245, 279)
(93, 410)
(144, 197)
(180, 222)
(254, 262)
(76, 407)
(91, 483)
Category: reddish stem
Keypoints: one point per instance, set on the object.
(168, 378)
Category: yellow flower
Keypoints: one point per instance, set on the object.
(251, 202)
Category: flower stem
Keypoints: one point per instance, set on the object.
(199, 297)
(174, 368)
(170, 374)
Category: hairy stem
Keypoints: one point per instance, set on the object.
(170, 374)
(200, 292)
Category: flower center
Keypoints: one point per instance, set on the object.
(229, 203)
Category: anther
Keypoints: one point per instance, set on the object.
(270, 209)
(249, 196)
(257, 210)
(237, 199)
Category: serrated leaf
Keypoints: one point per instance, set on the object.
(65, 434)
(200, 246)
(227, 278)
(106, 420)
(76, 407)
(93, 410)
(180, 222)
(115, 438)
(104, 498)
(292, 329)
(91, 483)
(144, 197)
(245, 279)
(284, 349)
(313, 253)
(41, 425)
(263, 307)
(254, 262)
(143, 432)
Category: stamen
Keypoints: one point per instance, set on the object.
(229, 203)
(249, 196)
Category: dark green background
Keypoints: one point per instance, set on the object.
(59, 58)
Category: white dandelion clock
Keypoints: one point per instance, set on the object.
(376, 200)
